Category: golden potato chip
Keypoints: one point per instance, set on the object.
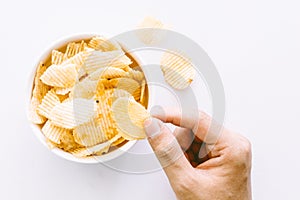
(84, 89)
(57, 57)
(178, 71)
(98, 59)
(73, 49)
(103, 44)
(99, 148)
(53, 132)
(33, 115)
(118, 141)
(130, 85)
(77, 59)
(48, 103)
(90, 133)
(107, 73)
(135, 74)
(60, 76)
(73, 113)
(129, 117)
(40, 89)
(62, 91)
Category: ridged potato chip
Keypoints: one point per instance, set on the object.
(57, 57)
(118, 141)
(178, 71)
(84, 89)
(73, 113)
(73, 49)
(40, 89)
(107, 73)
(62, 91)
(130, 85)
(130, 117)
(33, 115)
(60, 75)
(90, 133)
(98, 59)
(54, 133)
(135, 74)
(103, 44)
(48, 103)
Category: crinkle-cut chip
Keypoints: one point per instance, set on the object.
(178, 70)
(60, 75)
(68, 143)
(40, 89)
(63, 91)
(130, 85)
(98, 59)
(107, 73)
(143, 90)
(82, 46)
(103, 44)
(130, 117)
(73, 113)
(118, 141)
(84, 152)
(149, 31)
(89, 134)
(117, 93)
(57, 57)
(33, 115)
(77, 59)
(126, 68)
(48, 103)
(100, 89)
(73, 49)
(54, 133)
(135, 74)
(84, 89)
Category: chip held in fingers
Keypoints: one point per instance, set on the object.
(130, 117)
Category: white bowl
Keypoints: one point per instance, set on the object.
(37, 130)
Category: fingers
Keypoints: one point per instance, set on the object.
(166, 148)
(184, 137)
(199, 122)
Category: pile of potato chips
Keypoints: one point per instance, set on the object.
(89, 98)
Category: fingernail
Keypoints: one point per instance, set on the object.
(157, 111)
(152, 127)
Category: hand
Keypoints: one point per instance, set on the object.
(225, 174)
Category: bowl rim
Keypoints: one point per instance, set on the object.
(36, 129)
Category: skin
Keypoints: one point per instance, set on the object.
(224, 171)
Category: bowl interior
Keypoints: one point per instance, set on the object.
(46, 58)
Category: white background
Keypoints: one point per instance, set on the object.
(254, 44)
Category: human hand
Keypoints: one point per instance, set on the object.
(225, 173)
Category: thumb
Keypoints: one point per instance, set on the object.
(166, 148)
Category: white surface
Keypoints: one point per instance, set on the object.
(255, 46)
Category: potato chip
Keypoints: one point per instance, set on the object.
(54, 133)
(40, 89)
(98, 59)
(73, 113)
(107, 73)
(63, 91)
(135, 74)
(118, 141)
(102, 44)
(99, 148)
(77, 59)
(48, 103)
(84, 89)
(33, 115)
(90, 134)
(178, 71)
(129, 117)
(60, 76)
(57, 57)
(130, 85)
